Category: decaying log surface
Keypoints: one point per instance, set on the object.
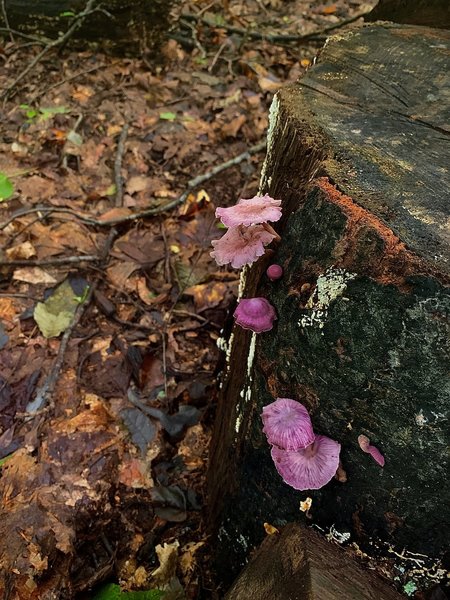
(298, 564)
(431, 13)
(358, 151)
(124, 26)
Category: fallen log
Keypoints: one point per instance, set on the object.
(431, 13)
(358, 153)
(127, 27)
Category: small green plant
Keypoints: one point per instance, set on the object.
(112, 591)
(167, 116)
(83, 297)
(42, 113)
(6, 187)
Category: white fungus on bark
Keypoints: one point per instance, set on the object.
(330, 286)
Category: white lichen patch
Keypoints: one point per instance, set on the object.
(242, 281)
(251, 356)
(273, 127)
(330, 286)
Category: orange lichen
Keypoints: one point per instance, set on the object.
(370, 245)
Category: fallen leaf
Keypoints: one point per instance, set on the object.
(232, 129)
(21, 251)
(141, 428)
(55, 314)
(33, 275)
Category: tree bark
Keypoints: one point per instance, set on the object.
(299, 564)
(124, 26)
(357, 151)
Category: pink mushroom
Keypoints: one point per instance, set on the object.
(274, 272)
(256, 314)
(309, 468)
(241, 245)
(287, 424)
(364, 444)
(251, 211)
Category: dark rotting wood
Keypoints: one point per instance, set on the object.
(358, 151)
(123, 26)
(431, 13)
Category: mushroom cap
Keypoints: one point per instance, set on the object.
(366, 446)
(309, 468)
(241, 246)
(287, 424)
(250, 211)
(256, 314)
(274, 272)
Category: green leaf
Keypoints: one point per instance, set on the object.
(6, 187)
(82, 298)
(168, 116)
(112, 591)
(67, 13)
(48, 112)
(4, 459)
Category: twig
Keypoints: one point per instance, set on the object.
(5, 18)
(50, 382)
(66, 80)
(276, 37)
(118, 179)
(192, 184)
(45, 262)
(62, 39)
(25, 36)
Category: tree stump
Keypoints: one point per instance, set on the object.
(358, 153)
(300, 565)
(127, 27)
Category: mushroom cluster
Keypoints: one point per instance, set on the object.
(248, 231)
(304, 460)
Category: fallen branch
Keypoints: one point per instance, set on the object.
(192, 184)
(276, 37)
(25, 36)
(46, 262)
(62, 39)
(118, 179)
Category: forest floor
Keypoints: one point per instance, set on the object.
(110, 304)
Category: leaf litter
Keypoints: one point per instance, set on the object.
(111, 321)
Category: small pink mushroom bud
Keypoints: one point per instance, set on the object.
(251, 211)
(274, 272)
(309, 468)
(256, 314)
(287, 424)
(364, 444)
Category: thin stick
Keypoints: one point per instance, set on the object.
(118, 179)
(45, 262)
(50, 382)
(25, 36)
(276, 37)
(193, 183)
(5, 18)
(62, 39)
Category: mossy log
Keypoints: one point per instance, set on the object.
(299, 564)
(120, 26)
(358, 151)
